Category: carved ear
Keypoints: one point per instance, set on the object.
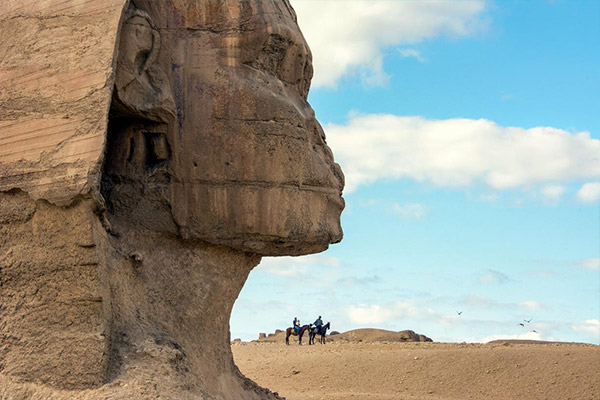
(139, 44)
(155, 46)
(141, 87)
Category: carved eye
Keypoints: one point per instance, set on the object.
(272, 54)
(286, 60)
(307, 75)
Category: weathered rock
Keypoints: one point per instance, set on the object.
(52, 325)
(370, 335)
(411, 336)
(55, 93)
(149, 156)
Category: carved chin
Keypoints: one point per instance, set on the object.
(265, 219)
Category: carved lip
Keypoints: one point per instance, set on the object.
(267, 184)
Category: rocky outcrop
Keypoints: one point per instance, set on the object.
(150, 153)
(369, 335)
(411, 336)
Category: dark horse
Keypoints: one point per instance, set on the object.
(316, 331)
(291, 331)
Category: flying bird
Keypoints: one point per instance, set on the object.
(534, 331)
(459, 312)
(528, 320)
(521, 324)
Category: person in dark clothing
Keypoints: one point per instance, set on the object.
(296, 325)
(318, 324)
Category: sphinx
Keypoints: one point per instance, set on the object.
(151, 152)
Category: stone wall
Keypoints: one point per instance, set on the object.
(55, 90)
(52, 319)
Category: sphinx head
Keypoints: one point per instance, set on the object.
(211, 136)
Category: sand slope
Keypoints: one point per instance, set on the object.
(436, 371)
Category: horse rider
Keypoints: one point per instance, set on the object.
(296, 325)
(318, 324)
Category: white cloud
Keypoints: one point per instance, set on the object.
(591, 263)
(349, 37)
(523, 336)
(530, 305)
(293, 267)
(590, 327)
(553, 192)
(389, 314)
(473, 300)
(589, 192)
(368, 203)
(409, 210)
(354, 281)
(460, 152)
(541, 273)
(377, 315)
(490, 275)
(406, 53)
(371, 315)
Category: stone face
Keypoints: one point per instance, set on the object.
(150, 153)
(244, 162)
(224, 81)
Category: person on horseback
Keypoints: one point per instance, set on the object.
(296, 325)
(318, 324)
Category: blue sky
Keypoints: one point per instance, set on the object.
(469, 133)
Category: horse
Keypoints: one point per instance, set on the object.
(292, 331)
(314, 331)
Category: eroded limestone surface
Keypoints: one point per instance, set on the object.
(150, 153)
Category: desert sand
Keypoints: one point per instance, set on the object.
(372, 368)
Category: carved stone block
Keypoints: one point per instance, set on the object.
(150, 153)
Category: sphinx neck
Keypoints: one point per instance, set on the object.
(171, 302)
(139, 313)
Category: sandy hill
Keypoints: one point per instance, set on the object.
(379, 335)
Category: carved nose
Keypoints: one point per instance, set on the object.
(328, 155)
(339, 175)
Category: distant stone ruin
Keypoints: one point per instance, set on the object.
(150, 153)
